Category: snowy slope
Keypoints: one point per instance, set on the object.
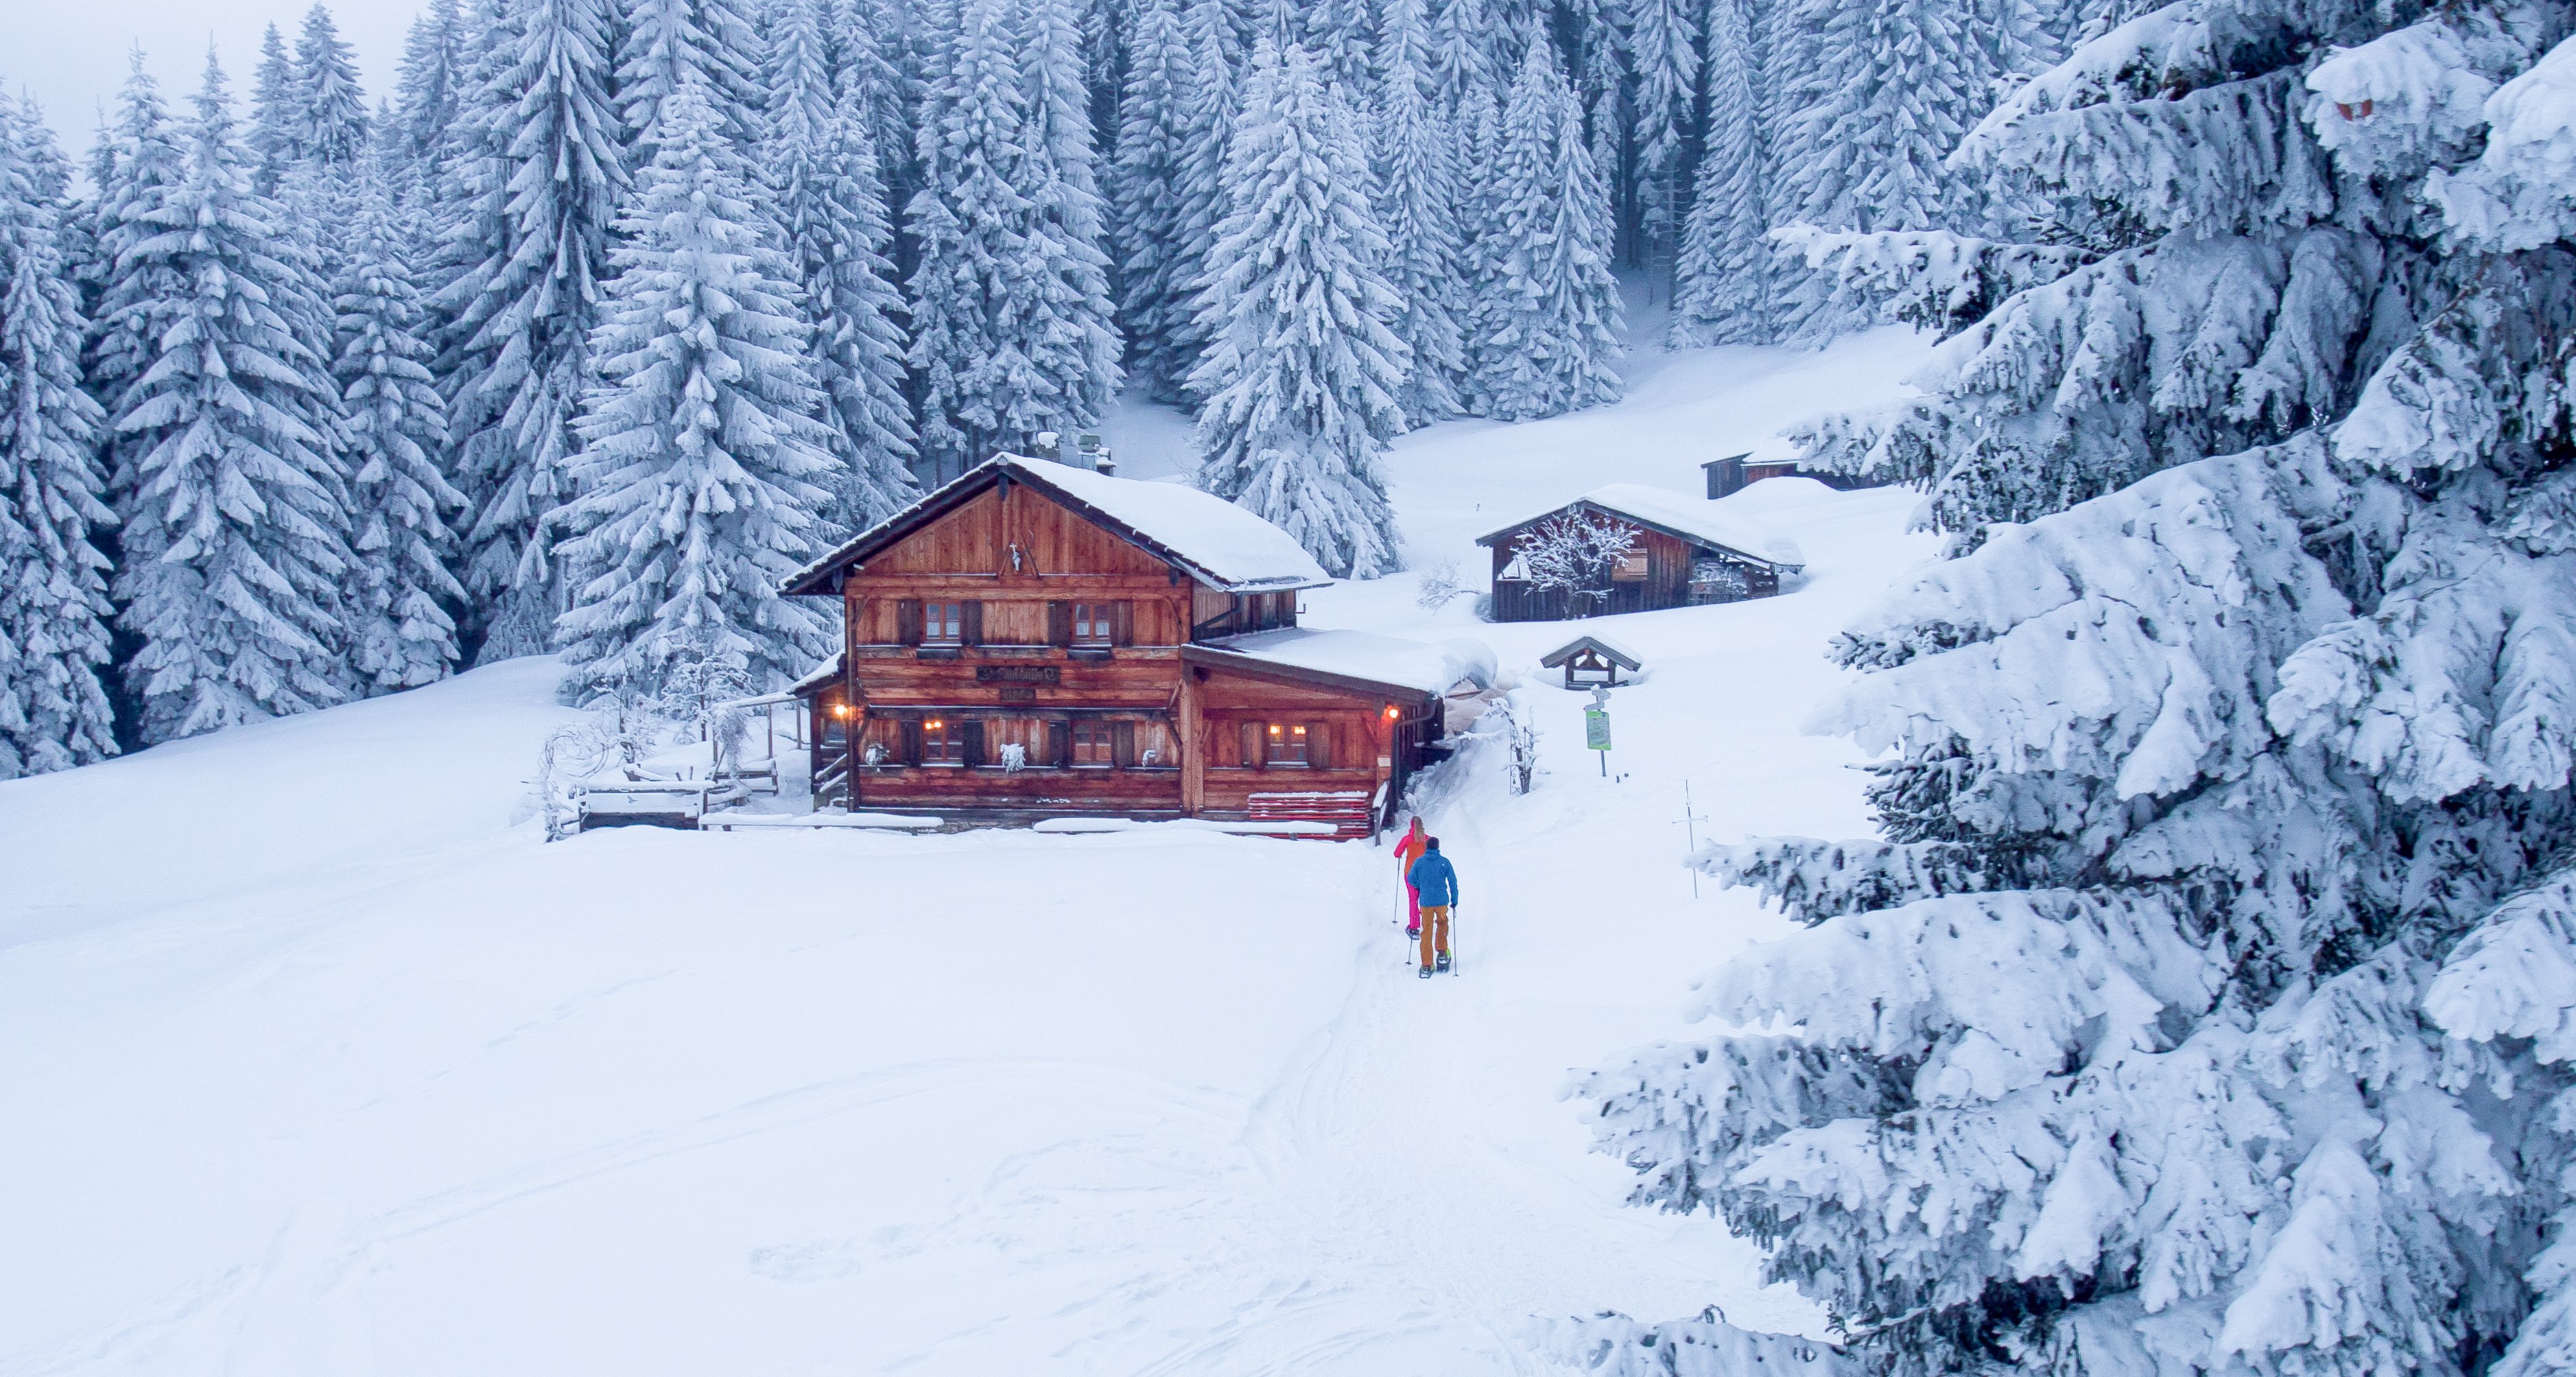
(321, 1064)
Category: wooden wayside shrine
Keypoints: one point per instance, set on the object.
(1035, 640)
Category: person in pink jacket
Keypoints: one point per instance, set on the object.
(1407, 852)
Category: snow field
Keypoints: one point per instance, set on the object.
(320, 1062)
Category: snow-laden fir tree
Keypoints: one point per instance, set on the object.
(1011, 335)
(1547, 312)
(401, 633)
(1726, 281)
(429, 87)
(1461, 53)
(1663, 43)
(1199, 181)
(829, 204)
(277, 113)
(1157, 272)
(702, 464)
(2205, 1005)
(233, 512)
(664, 42)
(540, 179)
(1302, 368)
(1417, 207)
(331, 109)
(136, 295)
(54, 610)
(873, 64)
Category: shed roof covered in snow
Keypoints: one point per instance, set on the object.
(1355, 659)
(1693, 519)
(1602, 646)
(1211, 539)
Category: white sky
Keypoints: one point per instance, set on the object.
(71, 53)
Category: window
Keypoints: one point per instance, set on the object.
(1631, 568)
(1284, 744)
(1094, 744)
(943, 742)
(943, 623)
(1091, 623)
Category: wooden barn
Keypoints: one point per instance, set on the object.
(1687, 551)
(1037, 640)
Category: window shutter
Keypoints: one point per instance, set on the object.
(907, 628)
(1122, 622)
(1059, 744)
(970, 624)
(1319, 745)
(1253, 750)
(1059, 623)
(911, 743)
(1122, 743)
(972, 732)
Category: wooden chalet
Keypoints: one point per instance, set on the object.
(1039, 640)
(1736, 472)
(1687, 551)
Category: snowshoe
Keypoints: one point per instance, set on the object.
(1444, 961)
(1425, 972)
(1414, 933)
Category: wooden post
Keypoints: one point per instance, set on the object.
(1194, 746)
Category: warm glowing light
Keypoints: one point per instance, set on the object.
(840, 709)
(936, 722)
(1274, 731)
(1390, 712)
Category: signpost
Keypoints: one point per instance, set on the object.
(1596, 728)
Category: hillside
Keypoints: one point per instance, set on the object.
(323, 1062)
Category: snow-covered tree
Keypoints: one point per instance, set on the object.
(540, 179)
(1462, 51)
(277, 113)
(1663, 49)
(1199, 182)
(1576, 554)
(1301, 374)
(54, 610)
(873, 44)
(331, 110)
(665, 42)
(830, 208)
(400, 632)
(233, 509)
(1158, 273)
(1417, 206)
(1726, 281)
(430, 88)
(1011, 334)
(2204, 1005)
(1547, 315)
(702, 466)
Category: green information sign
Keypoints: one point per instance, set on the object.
(1596, 729)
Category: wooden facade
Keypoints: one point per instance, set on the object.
(1665, 567)
(1011, 651)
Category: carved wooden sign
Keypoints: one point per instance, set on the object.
(1017, 674)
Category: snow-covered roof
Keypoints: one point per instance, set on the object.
(1427, 667)
(1218, 542)
(823, 674)
(1596, 641)
(1691, 518)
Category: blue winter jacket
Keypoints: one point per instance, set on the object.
(1433, 879)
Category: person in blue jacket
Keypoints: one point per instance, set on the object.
(1437, 882)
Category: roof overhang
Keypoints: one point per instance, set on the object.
(1597, 646)
(823, 577)
(1236, 662)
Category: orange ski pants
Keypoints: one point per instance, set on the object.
(1435, 930)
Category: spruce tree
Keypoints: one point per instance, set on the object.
(873, 65)
(1158, 273)
(1199, 186)
(137, 295)
(666, 42)
(1417, 205)
(1663, 48)
(831, 215)
(1726, 279)
(702, 464)
(2237, 736)
(401, 634)
(542, 173)
(1011, 336)
(1302, 369)
(1548, 306)
(1461, 53)
(331, 110)
(54, 609)
(234, 514)
(277, 114)
(429, 91)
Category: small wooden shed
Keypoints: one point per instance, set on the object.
(1685, 552)
(1591, 659)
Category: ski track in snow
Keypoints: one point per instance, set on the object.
(319, 1065)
